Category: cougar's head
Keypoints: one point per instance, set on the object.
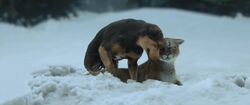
(171, 50)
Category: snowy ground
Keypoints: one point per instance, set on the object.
(213, 65)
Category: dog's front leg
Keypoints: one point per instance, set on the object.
(132, 67)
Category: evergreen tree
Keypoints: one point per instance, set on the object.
(32, 12)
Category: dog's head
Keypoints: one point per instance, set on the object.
(152, 41)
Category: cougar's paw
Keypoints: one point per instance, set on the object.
(178, 83)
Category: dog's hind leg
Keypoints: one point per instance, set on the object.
(132, 67)
(107, 60)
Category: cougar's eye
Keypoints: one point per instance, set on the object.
(161, 51)
(168, 47)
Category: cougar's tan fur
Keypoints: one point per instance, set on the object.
(163, 70)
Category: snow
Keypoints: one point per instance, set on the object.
(43, 65)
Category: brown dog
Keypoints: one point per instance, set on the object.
(163, 70)
(123, 39)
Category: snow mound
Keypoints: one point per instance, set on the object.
(63, 81)
(55, 71)
(66, 85)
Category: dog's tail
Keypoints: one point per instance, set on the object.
(92, 60)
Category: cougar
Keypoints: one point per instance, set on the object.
(163, 69)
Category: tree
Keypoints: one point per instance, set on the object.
(31, 12)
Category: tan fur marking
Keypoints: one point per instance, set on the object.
(106, 59)
(117, 48)
(146, 43)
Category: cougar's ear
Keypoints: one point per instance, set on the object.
(166, 39)
(179, 41)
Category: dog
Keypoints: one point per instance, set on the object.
(123, 39)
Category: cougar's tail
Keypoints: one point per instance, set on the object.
(92, 60)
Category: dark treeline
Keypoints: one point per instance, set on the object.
(31, 12)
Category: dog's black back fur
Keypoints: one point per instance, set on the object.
(125, 33)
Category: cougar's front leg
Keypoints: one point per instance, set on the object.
(177, 82)
(107, 60)
(132, 67)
